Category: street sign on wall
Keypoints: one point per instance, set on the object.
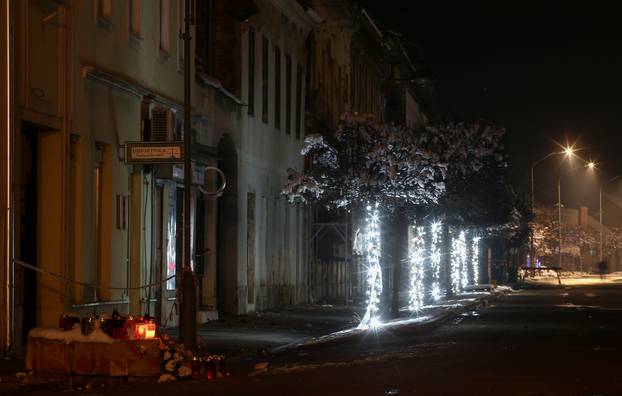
(154, 152)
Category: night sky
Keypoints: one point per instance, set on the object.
(547, 73)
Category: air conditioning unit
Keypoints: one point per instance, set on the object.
(162, 124)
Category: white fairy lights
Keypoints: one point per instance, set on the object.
(417, 261)
(475, 259)
(455, 265)
(459, 265)
(371, 240)
(435, 261)
(464, 264)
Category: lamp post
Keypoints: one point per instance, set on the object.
(559, 217)
(568, 151)
(600, 215)
(559, 206)
(187, 314)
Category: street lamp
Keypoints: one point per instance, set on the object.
(568, 152)
(589, 165)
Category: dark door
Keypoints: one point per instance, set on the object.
(26, 289)
(227, 267)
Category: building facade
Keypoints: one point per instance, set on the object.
(90, 232)
(269, 251)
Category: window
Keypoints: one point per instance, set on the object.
(135, 17)
(164, 25)
(288, 94)
(298, 100)
(104, 9)
(264, 78)
(277, 88)
(203, 33)
(251, 71)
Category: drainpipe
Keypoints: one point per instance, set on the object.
(128, 242)
(65, 84)
(187, 316)
(9, 301)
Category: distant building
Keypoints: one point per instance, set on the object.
(580, 240)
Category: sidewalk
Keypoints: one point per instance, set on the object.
(257, 334)
(426, 319)
(248, 339)
(570, 278)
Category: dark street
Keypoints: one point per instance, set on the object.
(538, 341)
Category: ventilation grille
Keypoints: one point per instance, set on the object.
(161, 124)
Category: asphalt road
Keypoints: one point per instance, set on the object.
(548, 341)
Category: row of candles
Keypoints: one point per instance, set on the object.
(116, 326)
(210, 367)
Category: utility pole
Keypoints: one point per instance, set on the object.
(187, 316)
(600, 224)
(559, 217)
(569, 152)
(532, 260)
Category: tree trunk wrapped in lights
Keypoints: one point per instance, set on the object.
(417, 262)
(369, 245)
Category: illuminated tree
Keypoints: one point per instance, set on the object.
(404, 171)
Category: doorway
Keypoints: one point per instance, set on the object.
(26, 279)
(227, 232)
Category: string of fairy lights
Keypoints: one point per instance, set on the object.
(435, 260)
(417, 269)
(461, 252)
(371, 238)
(425, 254)
(475, 259)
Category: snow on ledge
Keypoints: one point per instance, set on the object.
(73, 335)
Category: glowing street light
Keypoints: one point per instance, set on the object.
(569, 151)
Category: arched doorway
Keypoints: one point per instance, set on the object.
(227, 250)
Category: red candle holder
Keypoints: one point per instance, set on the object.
(195, 366)
(210, 368)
